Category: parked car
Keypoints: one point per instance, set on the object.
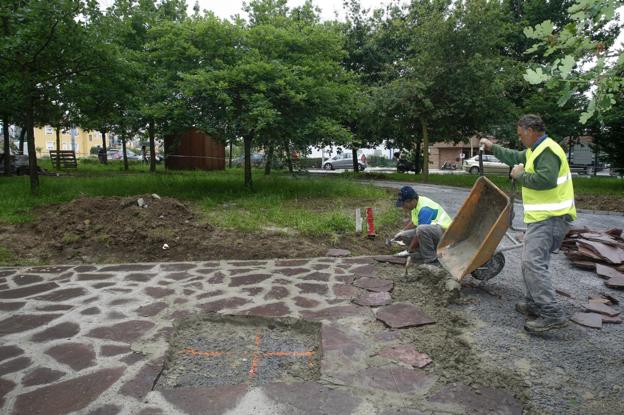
(117, 154)
(343, 161)
(491, 165)
(257, 160)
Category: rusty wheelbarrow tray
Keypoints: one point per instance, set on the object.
(470, 243)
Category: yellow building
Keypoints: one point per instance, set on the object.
(45, 140)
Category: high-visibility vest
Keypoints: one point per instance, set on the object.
(540, 205)
(442, 218)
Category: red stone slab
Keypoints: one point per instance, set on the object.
(317, 276)
(126, 332)
(592, 320)
(291, 262)
(139, 277)
(396, 379)
(407, 355)
(6, 386)
(312, 398)
(487, 401)
(345, 291)
(28, 291)
(7, 352)
(268, 310)
(251, 279)
(42, 376)
(374, 284)
(611, 320)
(277, 293)
(16, 324)
(390, 259)
(67, 396)
(157, 292)
(196, 401)
(306, 302)
(403, 315)
(14, 365)
(608, 272)
(335, 312)
(182, 266)
(335, 339)
(338, 252)
(311, 288)
(230, 302)
(143, 382)
(289, 272)
(90, 311)
(373, 299)
(601, 309)
(151, 309)
(60, 331)
(62, 295)
(209, 294)
(12, 306)
(26, 279)
(111, 409)
(78, 356)
(613, 255)
(617, 283)
(114, 350)
(95, 276)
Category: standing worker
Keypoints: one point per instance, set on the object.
(428, 223)
(548, 197)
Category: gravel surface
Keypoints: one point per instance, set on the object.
(575, 370)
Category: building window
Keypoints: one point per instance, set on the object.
(50, 145)
(90, 137)
(49, 130)
(65, 146)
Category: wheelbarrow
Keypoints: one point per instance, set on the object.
(470, 244)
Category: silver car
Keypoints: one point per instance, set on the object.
(343, 161)
(491, 165)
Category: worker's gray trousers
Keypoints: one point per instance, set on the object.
(541, 239)
(428, 239)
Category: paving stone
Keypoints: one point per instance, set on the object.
(231, 302)
(205, 400)
(615, 282)
(115, 315)
(63, 295)
(180, 301)
(108, 409)
(139, 386)
(388, 335)
(16, 324)
(374, 284)
(592, 320)
(395, 379)
(4, 287)
(180, 315)
(26, 279)
(114, 350)
(85, 268)
(151, 411)
(7, 272)
(67, 396)
(118, 290)
(373, 299)
(12, 306)
(78, 356)
(247, 263)
(14, 365)
(488, 401)
(611, 320)
(365, 270)
(127, 268)
(306, 302)
(103, 285)
(205, 271)
(358, 260)
(198, 285)
(177, 267)
(318, 267)
(218, 278)
(28, 291)
(237, 271)
(252, 291)
(346, 279)
(210, 294)
(139, 277)
(291, 262)
(335, 339)
(338, 252)
(179, 276)
(390, 259)
(601, 309)
(126, 332)
(7, 352)
(317, 276)
(248, 279)
(268, 310)
(404, 411)
(403, 315)
(277, 293)
(90, 311)
(60, 331)
(6, 386)
(407, 355)
(310, 288)
(55, 307)
(335, 312)
(48, 269)
(310, 398)
(42, 376)
(151, 309)
(290, 272)
(282, 281)
(94, 276)
(345, 291)
(157, 292)
(122, 301)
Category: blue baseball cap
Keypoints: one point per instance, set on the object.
(406, 193)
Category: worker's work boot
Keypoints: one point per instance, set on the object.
(542, 324)
(526, 309)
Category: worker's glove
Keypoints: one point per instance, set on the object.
(399, 235)
(517, 170)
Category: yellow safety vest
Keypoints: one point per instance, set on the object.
(540, 205)
(442, 218)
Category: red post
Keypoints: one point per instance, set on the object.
(371, 223)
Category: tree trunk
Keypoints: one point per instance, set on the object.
(104, 146)
(58, 147)
(425, 135)
(152, 145)
(32, 152)
(7, 147)
(230, 163)
(596, 160)
(21, 141)
(269, 161)
(289, 158)
(355, 159)
(247, 149)
(417, 157)
(125, 155)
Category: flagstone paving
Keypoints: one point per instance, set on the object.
(93, 340)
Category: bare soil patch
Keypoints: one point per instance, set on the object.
(116, 230)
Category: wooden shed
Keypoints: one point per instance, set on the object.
(194, 150)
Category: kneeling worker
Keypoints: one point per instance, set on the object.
(423, 233)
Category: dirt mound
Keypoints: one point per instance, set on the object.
(115, 229)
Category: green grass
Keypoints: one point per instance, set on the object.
(312, 206)
(582, 185)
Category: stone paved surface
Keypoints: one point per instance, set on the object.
(92, 340)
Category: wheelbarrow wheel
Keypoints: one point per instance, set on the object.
(491, 268)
